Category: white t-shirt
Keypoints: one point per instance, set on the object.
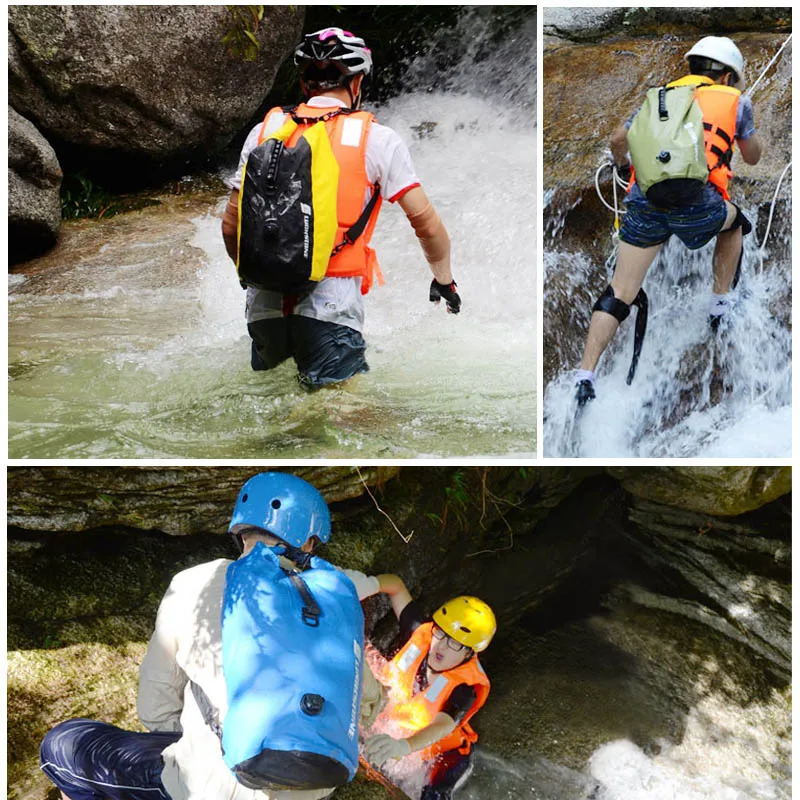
(338, 300)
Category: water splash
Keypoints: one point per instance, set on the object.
(135, 345)
(695, 393)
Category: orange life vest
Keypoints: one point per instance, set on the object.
(412, 712)
(718, 105)
(348, 136)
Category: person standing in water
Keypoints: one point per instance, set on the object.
(322, 329)
(716, 68)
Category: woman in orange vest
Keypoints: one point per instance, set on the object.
(436, 685)
(717, 70)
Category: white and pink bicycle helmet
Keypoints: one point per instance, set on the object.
(337, 47)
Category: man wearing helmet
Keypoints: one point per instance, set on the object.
(436, 685)
(322, 330)
(716, 70)
(180, 758)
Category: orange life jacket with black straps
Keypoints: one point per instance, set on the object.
(718, 105)
(412, 712)
(347, 131)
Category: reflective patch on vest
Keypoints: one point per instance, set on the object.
(351, 132)
(274, 123)
(408, 658)
(435, 689)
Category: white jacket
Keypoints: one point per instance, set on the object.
(186, 645)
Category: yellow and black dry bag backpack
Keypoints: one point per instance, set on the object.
(287, 210)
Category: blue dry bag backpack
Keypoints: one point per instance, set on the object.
(292, 655)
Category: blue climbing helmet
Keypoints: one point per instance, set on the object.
(285, 506)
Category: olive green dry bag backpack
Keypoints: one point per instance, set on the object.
(667, 147)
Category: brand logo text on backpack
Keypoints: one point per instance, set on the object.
(353, 729)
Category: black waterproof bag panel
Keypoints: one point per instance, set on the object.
(276, 218)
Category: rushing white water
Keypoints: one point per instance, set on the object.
(695, 393)
(727, 753)
(134, 345)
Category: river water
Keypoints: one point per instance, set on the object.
(132, 343)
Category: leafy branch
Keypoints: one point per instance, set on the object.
(241, 40)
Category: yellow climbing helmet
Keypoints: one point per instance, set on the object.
(468, 620)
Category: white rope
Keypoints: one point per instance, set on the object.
(763, 245)
(617, 181)
(766, 69)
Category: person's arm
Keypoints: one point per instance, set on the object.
(230, 225)
(382, 747)
(393, 586)
(751, 149)
(619, 145)
(161, 681)
(430, 231)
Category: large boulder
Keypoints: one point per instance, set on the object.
(721, 491)
(34, 180)
(156, 83)
(591, 24)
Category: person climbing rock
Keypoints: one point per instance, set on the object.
(436, 685)
(186, 699)
(694, 211)
(319, 322)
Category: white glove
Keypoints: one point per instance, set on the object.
(366, 585)
(382, 747)
(373, 698)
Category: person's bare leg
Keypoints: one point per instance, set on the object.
(727, 252)
(632, 265)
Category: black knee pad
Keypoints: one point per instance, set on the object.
(608, 302)
(741, 221)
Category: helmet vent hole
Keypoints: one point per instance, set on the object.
(466, 630)
(244, 498)
(276, 503)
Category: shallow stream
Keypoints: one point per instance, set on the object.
(129, 340)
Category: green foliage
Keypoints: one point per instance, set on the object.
(240, 40)
(81, 199)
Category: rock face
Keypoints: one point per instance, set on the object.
(175, 501)
(34, 179)
(154, 82)
(589, 24)
(721, 491)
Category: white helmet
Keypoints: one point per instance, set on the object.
(347, 52)
(722, 51)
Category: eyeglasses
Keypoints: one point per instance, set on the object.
(438, 633)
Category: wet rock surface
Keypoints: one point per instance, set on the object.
(34, 179)
(148, 81)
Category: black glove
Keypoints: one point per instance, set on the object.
(448, 292)
(623, 171)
